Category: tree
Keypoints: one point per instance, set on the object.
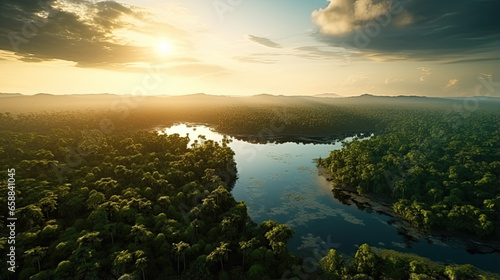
(209, 204)
(31, 214)
(461, 272)
(364, 260)
(48, 203)
(90, 239)
(278, 237)
(220, 254)
(111, 228)
(63, 270)
(140, 233)
(141, 262)
(95, 199)
(35, 255)
(88, 271)
(221, 196)
(246, 247)
(332, 264)
(122, 260)
(180, 249)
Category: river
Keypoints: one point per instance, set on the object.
(281, 182)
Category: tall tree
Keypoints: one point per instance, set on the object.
(220, 254)
(180, 250)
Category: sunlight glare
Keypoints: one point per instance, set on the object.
(163, 48)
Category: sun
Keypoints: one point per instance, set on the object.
(163, 48)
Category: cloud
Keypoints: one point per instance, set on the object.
(314, 52)
(473, 59)
(352, 79)
(426, 71)
(451, 84)
(254, 59)
(345, 16)
(392, 80)
(263, 41)
(90, 34)
(412, 30)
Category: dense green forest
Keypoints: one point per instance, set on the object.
(99, 195)
(130, 204)
(372, 263)
(441, 170)
(257, 118)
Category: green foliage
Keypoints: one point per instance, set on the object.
(461, 272)
(100, 197)
(365, 260)
(256, 271)
(332, 264)
(374, 263)
(440, 169)
(127, 204)
(278, 236)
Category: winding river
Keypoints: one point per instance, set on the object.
(281, 182)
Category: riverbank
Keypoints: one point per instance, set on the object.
(383, 206)
(268, 136)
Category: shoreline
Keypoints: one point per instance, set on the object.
(318, 138)
(471, 244)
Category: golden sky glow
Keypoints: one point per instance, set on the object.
(347, 47)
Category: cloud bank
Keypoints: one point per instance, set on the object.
(105, 35)
(407, 29)
(345, 16)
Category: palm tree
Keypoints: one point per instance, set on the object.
(247, 246)
(48, 203)
(180, 249)
(141, 262)
(140, 233)
(32, 214)
(278, 237)
(35, 254)
(220, 253)
(210, 204)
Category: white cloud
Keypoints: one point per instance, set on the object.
(345, 16)
(426, 71)
(354, 79)
(392, 80)
(451, 84)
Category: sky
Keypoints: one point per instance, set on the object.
(247, 47)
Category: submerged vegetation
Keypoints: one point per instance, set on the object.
(101, 196)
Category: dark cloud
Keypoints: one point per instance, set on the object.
(263, 41)
(46, 32)
(108, 14)
(442, 30)
(478, 59)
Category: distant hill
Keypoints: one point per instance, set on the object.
(19, 103)
(329, 95)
